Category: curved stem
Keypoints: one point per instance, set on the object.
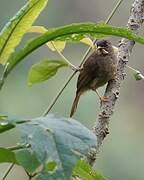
(82, 61)
(64, 58)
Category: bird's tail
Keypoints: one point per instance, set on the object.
(75, 103)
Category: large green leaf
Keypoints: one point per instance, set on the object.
(24, 157)
(58, 144)
(73, 32)
(7, 156)
(86, 172)
(58, 45)
(27, 160)
(13, 32)
(44, 70)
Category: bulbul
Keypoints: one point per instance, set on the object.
(98, 69)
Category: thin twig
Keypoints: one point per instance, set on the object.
(59, 94)
(113, 11)
(64, 58)
(82, 61)
(8, 171)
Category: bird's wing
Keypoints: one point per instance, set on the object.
(89, 72)
(83, 81)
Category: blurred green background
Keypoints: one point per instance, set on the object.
(122, 154)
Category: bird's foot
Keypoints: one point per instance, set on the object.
(104, 99)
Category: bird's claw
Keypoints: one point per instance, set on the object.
(104, 99)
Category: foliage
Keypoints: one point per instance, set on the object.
(60, 45)
(14, 30)
(73, 32)
(51, 147)
(44, 70)
(86, 172)
(55, 144)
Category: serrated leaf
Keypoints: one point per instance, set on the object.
(44, 70)
(53, 45)
(13, 32)
(86, 172)
(60, 140)
(27, 160)
(73, 32)
(7, 156)
(60, 45)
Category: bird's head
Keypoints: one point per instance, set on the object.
(105, 47)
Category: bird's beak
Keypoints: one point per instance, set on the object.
(101, 48)
(115, 49)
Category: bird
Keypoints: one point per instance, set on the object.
(99, 68)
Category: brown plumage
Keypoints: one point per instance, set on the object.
(98, 69)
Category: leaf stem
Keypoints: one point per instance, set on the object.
(8, 171)
(82, 61)
(132, 69)
(64, 58)
(14, 148)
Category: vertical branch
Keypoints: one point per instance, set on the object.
(113, 89)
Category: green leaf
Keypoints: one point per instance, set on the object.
(56, 45)
(3, 117)
(23, 157)
(7, 123)
(52, 45)
(73, 32)
(44, 70)
(7, 156)
(51, 166)
(27, 160)
(13, 32)
(60, 45)
(58, 140)
(5, 126)
(88, 42)
(86, 172)
(138, 76)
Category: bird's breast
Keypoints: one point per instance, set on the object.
(105, 71)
